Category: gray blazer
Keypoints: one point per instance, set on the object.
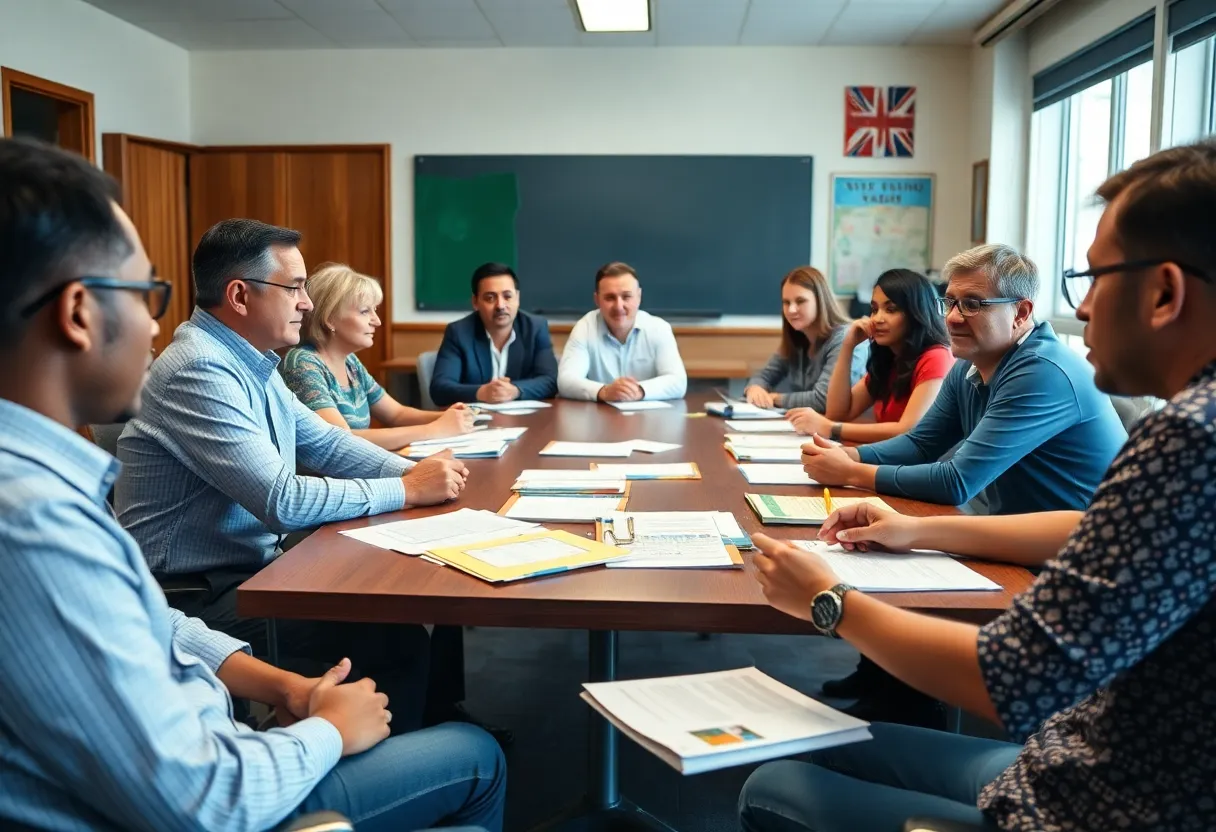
(810, 375)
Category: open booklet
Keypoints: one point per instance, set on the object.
(709, 721)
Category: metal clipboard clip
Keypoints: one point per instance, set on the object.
(618, 539)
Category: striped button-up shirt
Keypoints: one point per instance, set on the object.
(111, 715)
(209, 476)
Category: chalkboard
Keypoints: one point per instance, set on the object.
(708, 235)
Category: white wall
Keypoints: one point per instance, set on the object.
(612, 101)
(140, 83)
(1076, 24)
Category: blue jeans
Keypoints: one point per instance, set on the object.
(875, 786)
(450, 775)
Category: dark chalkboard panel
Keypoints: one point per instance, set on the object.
(708, 235)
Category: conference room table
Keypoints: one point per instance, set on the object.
(329, 576)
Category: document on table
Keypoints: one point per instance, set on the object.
(768, 440)
(555, 487)
(648, 446)
(742, 410)
(668, 540)
(761, 426)
(480, 434)
(527, 556)
(628, 407)
(561, 509)
(465, 525)
(468, 450)
(649, 471)
(709, 721)
(917, 571)
(776, 475)
(778, 509)
(732, 533)
(504, 407)
(571, 474)
(591, 449)
(753, 453)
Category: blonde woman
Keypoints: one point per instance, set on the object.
(812, 331)
(327, 376)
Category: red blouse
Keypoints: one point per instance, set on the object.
(934, 363)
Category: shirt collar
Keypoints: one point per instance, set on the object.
(973, 374)
(43, 441)
(510, 340)
(261, 364)
(604, 333)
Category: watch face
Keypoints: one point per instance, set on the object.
(825, 611)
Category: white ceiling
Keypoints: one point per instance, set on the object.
(390, 24)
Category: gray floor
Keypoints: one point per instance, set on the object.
(529, 680)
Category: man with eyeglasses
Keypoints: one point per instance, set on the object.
(210, 485)
(1032, 431)
(115, 709)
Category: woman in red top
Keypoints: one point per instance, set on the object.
(909, 358)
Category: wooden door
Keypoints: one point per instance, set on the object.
(226, 184)
(154, 194)
(338, 199)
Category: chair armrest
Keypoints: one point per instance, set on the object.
(183, 586)
(937, 825)
(317, 822)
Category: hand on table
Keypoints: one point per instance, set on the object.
(866, 528)
(624, 389)
(497, 390)
(808, 422)
(758, 396)
(790, 577)
(454, 421)
(436, 479)
(826, 462)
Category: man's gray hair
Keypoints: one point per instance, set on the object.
(1011, 274)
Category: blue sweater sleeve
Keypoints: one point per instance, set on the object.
(446, 385)
(1032, 404)
(937, 432)
(542, 382)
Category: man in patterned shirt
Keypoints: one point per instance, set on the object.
(1105, 667)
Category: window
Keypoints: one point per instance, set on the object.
(1191, 98)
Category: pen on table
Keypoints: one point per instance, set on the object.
(827, 500)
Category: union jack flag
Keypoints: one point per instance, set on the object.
(879, 121)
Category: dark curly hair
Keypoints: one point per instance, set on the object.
(890, 376)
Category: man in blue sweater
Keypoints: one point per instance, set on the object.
(1035, 433)
(497, 353)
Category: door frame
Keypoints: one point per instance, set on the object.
(11, 79)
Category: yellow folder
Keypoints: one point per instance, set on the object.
(527, 555)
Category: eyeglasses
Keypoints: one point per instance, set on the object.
(293, 289)
(156, 293)
(1075, 285)
(969, 307)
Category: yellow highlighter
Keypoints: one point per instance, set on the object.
(827, 500)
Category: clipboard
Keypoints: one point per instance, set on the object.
(605, 528)
(593, 553)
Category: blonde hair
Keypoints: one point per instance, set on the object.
(331, 287)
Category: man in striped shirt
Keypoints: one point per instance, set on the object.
(115, 710)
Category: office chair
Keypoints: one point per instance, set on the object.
(426, 370)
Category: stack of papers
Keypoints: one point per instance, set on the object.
(467, 450)
(917, 571)
(630, 407)
(732, 533)
(668, 540)
(544, 552)
(594, 449)
(513, 408)
(776, 475)
(774, 509)
(735, 409)
(540, 509)
(761, 426)
(758, 453)
(768, 440)
(645, 471)
(415, 537)
(568, 483)
(710, 721)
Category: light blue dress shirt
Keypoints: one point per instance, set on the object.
(210, 476)
(592, 358)
(111, 715)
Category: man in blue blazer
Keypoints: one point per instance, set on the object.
(497, 353)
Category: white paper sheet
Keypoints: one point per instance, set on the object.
(648, 446)
(647, 471)
(776, 475)
(519, 404)
(524, 552)
(735, 409)
(469, 450)
(479, 434)
(628, 407)
(455, 528)
(750, 453)
(761, 426)
(768, 440)
(563, 509)
(728, 526)
(919, 571)
(589, 449)
(606, 484)
(572, 474)
(671, 540)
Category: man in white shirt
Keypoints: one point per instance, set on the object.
(618, 353)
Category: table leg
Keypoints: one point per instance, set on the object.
(603, 807)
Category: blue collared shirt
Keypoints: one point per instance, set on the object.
(111, 715)
(593, 357)
(210, 464)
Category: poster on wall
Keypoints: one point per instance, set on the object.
(879, 121)
(878, 223)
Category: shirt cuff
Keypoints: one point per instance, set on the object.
(321, 740)
(386, 495)
(884, 478)
(866, 455)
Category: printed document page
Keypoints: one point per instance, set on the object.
(776, 475)
(518, 404)
(525, 552)
(758, 454)
(767, 440)
(592, 449)
(479, 435)
(629, 407)
(648, 446)
(649, 471)
(669, 540)
(455, 528)
(563, 509)
(761, 426)
(918, 571)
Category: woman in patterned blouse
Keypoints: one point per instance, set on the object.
(1105, 668)
(327, 376)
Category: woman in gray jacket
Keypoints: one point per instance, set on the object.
(812, 330)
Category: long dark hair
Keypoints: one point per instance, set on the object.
(827, 318)
(890, 376)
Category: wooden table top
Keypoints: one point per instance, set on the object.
(694, 367)
(332, 577)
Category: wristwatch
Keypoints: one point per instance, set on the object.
(836, 429)
(827, 608)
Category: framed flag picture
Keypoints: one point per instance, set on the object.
(879, 121)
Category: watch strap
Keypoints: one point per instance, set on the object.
(837, 427)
